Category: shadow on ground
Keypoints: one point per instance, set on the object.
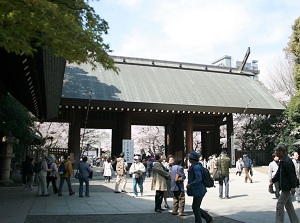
(124, 218)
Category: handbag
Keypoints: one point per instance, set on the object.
(91, 175)
(77, 172)
(251, 172)
(178, 178)
(137, 175)
(217, 176)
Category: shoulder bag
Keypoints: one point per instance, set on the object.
(77, 172)
(178, 178)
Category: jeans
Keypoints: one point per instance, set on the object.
(61, 184)
(198, 212)
(284, 201)
(158, 199)
(224, 179)
(87, 186)
(137, 181)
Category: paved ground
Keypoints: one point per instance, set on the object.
(249, 203)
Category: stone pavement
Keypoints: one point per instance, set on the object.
(249, 203)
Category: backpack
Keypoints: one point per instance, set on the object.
(37, 167)
(62, 169)
(206, 178)
(120, 167)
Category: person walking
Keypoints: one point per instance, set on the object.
(178, 188)
(107, 167)
(223, 164)
(159, 183)
(295, 159)
(121, 174)
(84, 170)
(286, 176)
(273, 167)
(66, 176)
(137, 169)
(196, 188)
(149, 167)
(51, 177)
(239, 166)
(247, 167)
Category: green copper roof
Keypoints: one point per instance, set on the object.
(148, 84)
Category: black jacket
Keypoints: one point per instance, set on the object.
(286, 174)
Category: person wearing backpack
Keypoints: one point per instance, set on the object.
(196, 188)
(66, 176)
(223, 163)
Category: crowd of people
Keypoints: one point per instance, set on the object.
(169, 179)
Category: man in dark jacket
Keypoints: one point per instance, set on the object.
(286, 176)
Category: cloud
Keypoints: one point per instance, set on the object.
(200, 30)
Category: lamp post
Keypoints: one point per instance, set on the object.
(8, 142)
(87, 149)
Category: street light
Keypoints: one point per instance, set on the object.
(87, 149)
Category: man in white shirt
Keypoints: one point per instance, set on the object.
(137, 169)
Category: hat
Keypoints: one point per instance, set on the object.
(135, 157)
(194, 156)
(51, 157)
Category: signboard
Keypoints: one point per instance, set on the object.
(232, 150)
(128, 150)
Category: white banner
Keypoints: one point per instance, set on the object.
(128, 150)
(232, 150)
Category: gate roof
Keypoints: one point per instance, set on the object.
(164, 85)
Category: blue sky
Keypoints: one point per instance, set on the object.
(200, 31)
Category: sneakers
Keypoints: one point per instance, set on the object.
(157, 210)
(182, 214)
(174, 213)
(71, 193)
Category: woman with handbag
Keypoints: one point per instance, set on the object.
(84, 171)
(137, 169)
